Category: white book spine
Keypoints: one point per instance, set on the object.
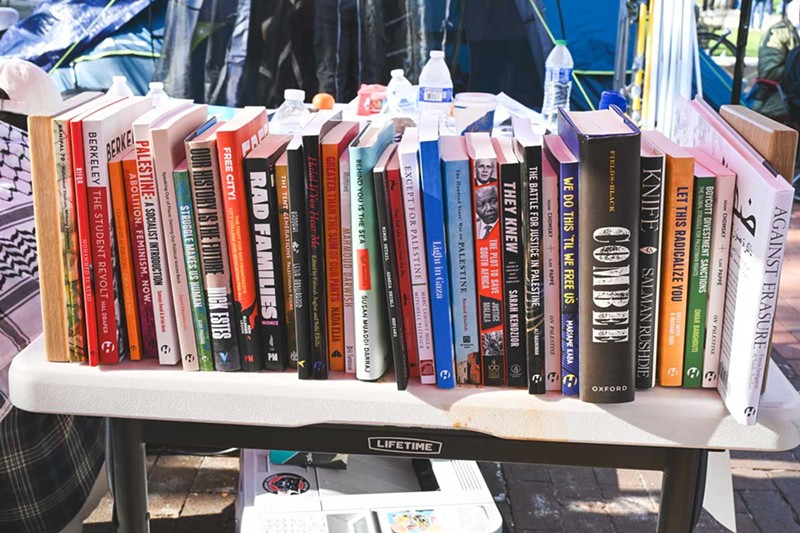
(720, 248)
(173, 242)
(412, 196)
(758, 242)
(166, 329)
(552, 287)
(347, 265)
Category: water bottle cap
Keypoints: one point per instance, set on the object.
(608, 98)
(397, 73)
(155, 85)
(437, 54)
(562, 42)
(119, 79)
(294, 94)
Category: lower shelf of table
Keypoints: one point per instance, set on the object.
(658, 417)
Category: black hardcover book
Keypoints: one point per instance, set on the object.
(513, 264)
(295, 161)
(607, 145)
(529, 151)
(389, 255)
(259, 168)
(650, 223)
(209, 216)
(315, 239)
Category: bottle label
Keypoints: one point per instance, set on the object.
(560, 75)
(436, 95)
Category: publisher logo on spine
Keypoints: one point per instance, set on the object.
(405, 446)
(286, 483)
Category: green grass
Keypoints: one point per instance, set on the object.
(753, 41)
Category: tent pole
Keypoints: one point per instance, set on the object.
(741, 46)
(621, 57)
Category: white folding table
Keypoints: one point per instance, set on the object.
(670, 430)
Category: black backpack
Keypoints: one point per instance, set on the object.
(791, 83)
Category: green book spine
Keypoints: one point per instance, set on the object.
(194, 276)
(700, 260)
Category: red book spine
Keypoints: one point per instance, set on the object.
(240, 248)
(100, 233)
(141, 269)
(397, 215)
(489, 270)
(84, 242)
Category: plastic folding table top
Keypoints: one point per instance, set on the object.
(663, 417)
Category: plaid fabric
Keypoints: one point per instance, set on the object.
(48, 463)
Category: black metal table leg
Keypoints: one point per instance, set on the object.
(682, 490)
(129, 476)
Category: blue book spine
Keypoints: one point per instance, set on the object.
(438, 279)
(568, 222)
(194, 276)
(462, 271)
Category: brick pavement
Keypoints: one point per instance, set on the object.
(196, 494)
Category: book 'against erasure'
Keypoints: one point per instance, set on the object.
(607, 145)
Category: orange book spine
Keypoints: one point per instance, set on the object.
(333, 255)
(125, 255)
(675, 269)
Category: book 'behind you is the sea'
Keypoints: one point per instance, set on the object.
(607, 146)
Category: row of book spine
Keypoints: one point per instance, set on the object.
(591, 262)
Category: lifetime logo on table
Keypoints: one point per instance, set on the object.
(404, 445)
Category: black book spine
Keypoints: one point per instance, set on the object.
(514, 251)
(532, 259)
(300, 278)
(264, 232)
(392, 288)
(608, 219)
(650, 223)
(316, 258)
(212, 242)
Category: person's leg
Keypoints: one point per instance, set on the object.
(99, 489)
(48, 466)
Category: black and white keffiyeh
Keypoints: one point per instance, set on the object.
(20, 315)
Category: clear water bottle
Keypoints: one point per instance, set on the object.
(400, 97)
(557, 83)
(160, 97)
(119, 87)
(435, 87)
(292, 115)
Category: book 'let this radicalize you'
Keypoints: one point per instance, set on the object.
(592, 262)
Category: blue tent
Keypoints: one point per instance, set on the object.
(591, 35)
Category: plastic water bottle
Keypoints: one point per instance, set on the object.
(160, 97)
(292, 115)
(401, 100)
(119, 87)
(435, 86)
(557, 83)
